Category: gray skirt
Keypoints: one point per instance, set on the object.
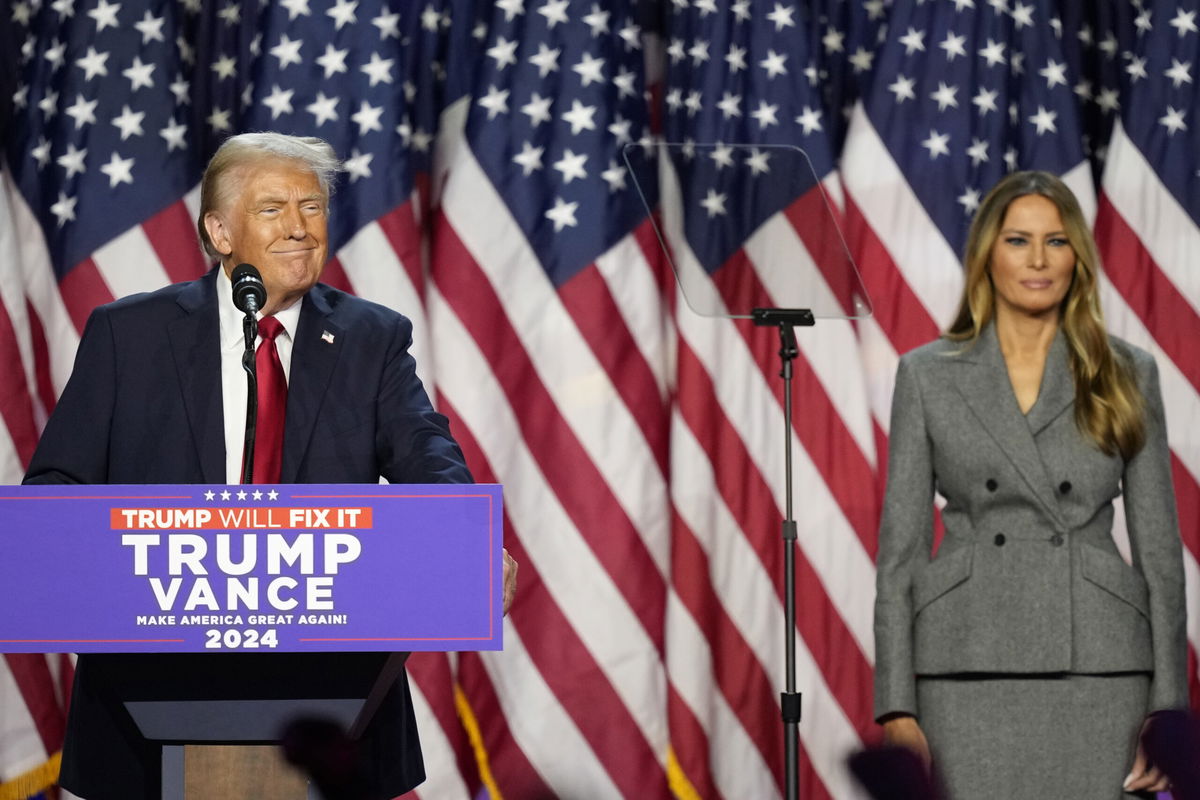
(1007, 737)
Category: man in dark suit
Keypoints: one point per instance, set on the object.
(158, 396)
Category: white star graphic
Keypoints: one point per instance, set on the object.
(937, 144)
(562, 214)
(810, 120)
(209, 495)
(495, 101)
(1043, 120)
(537, 109)
(49, 104)
(589, 69)
(993, 53)
(597, 20)
(287, 51)
(757, 161)
(130, 122)
(903, 87)
(218, 120)
(323, 109)
(119, 170)
(65, 8)
(92, 64)
(388, 24)
(1142, 22)
(367, 118)
(241, 495)
(861, 60)
(225, 67)
(619, 128)
(379, 70)
(529, 159)
(64, 209)
(55, 54)
(511, 8)
(736, 58)
(1054, 73)
(546, 60)
(580, 117)
(72, 161)
(296, 8)
(105, 14)
(625, 83)
(614, 176)
(1109, 100)
(272, 495)
(985, 101)
(231, 13)
(765, 114)
(139, 75)
(151, 28)
(82, 111)
(180, 89)
(333, 61)
(913, 41)
(945, 96)
(954, 45)
(1173, 120)
(173, 134)
(699, 52)
(978, 151)
(555, 11)
(571, 166)
(722, 156)
(504, 52)
(41, 153)
(741, 10)
(342, 13)
(730, 105)
(714, 203)
(693, 103)
(773, 64)
(781, 17)
(832, 41)
(969, 200)
(257, 495)
(279, 101)
(631, 35)
(1179, 73)
(1022, 16)
(1184, 22)
(225, 495)
(1136, 69)
(358, 165)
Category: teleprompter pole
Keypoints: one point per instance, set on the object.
(786, 319)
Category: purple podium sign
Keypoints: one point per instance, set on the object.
(298, 568)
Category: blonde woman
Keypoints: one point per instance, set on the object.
(1023, 658)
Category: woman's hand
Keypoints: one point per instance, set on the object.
(903, 731)
(510, 580)
(1145, 776)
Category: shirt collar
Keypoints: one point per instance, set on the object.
(231, 318)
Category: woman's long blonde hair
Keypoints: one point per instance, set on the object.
(1109, 407)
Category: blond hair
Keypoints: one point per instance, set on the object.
(1109, 407)
(216, 189)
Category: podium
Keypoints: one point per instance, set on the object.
(205, 620)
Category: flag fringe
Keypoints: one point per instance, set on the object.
(471, 726)
(677, 780)
(34, 782)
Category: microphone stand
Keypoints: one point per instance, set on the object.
(785, 319)
(250, 331)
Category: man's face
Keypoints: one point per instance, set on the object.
(275, 220)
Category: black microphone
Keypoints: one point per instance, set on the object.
(249, 294)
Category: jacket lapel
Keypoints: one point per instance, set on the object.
(982, 380)
(1058, 388)
(196, 349)
(314, 354)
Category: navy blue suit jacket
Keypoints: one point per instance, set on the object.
(144, 405)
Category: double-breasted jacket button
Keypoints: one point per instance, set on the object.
(991, 484)
(1064, 487)
(999, 540)
(1056, 540)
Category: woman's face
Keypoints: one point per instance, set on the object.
(1032, 261)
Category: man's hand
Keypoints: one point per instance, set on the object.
(510, 580)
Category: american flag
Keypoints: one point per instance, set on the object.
(488, 199)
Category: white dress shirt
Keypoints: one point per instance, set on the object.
(233, 377)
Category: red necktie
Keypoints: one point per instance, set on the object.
(272, 404)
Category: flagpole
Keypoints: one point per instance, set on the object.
(789, 700)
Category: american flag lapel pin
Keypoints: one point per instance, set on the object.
(327, 337)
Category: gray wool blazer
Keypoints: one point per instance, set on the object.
(1027, 579)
